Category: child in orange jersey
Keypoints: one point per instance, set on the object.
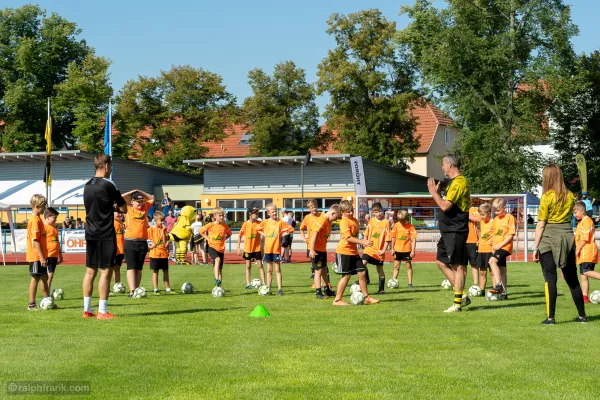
(273, 229)
(586, 249)
(252, 246)
(474, 219)
(37, 250)
(313, 208)
(347, 257)
(119, 232)
(484, 246)
(55, 255)
(216, 233)
(159, 253)
(378, 231)
(404, 238)
(321, 229)
(504, 232)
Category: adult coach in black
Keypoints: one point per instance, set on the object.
(99, 197)
(452, 254)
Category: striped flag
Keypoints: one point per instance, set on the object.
(48, 136)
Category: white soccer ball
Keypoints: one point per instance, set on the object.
(491, 296)
(218, 291)
(57, 294)
(187, 288)
(475, 291)
(119, 287)
(334, 267)
(47, 303)
(139, 293)
(255, 283)
(357, 298)
(263, 290)
(446, 284)
(393, 283)
(595, 297)
(355, 288)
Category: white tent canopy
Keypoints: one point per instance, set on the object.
(7, 208)
(64, 192)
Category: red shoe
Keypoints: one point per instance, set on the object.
(370, 300)
(586, 299)
(105, 315)
(88, 314)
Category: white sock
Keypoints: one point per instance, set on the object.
(87, 304)
(102, 306)
(168, 289)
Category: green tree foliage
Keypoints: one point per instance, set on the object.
(282, 112)
(179, 110)
(39, 53)
(370, 84)
(489, 61)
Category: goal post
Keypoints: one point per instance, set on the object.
(424, 212)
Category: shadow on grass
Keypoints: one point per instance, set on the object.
(191, 311)
(503, 306)
(388, 300)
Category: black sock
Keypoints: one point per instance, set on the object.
(319, 291)
(381, 284)
(552, 293)
(367, 273)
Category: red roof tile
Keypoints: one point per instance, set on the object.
(428, 118)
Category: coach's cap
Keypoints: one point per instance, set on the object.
(254, 210)
(137, 196)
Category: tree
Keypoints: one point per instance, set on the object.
(282, 112)
(490, 63)
(370, 83)
(39, 53)
(179, 110)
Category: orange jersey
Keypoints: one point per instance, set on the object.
(322, 228)
(120, 238)
(379, 232)
(160, 244)
(348, 229)
(36, 233)
(307, 223)
(472, 238)
(403, 236)
(486, 237)
(136, 222)
(273, 231)
(52, 240)
(586, 232)
(251, 236)
(504, 226)
(217, 234)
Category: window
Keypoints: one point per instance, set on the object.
(329, 202)
(246, 138)
(447, 137)
(226, 203)
(236, 210)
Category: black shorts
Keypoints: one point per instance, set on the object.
(320, 260)
(402, 256)
(159, 263)
(371, 260)
(135, 254)
(586, 267)
(37, 269)
(472, 254)
(286, 241)
(198, 239)
(252, 256)
(349, 264)
(501, 255)
(51, 263)
(483, 260)
(452, 249)
(100, 253)
(214, 254)
(118, 261)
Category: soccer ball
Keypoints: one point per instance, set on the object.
(595, 297)
(47, 303)
(119, 287)
(57, 294)
(355, 288)
(263, 290)
(139, 293)
(446, 284)
(218, 291)
(475, 291)
(393, 284)
(334, 267)
(255, 283)
(491, 296)
(357, 298)
(187, 288)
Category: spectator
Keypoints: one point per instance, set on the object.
(530, 220)
(588, 204)
(65, 224)
(176, 210)
(79, 224)
(151, 212)
(72, 222)
(170, 221)
(166, 204)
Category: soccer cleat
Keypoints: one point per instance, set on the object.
(497, 289)
(581, 319)
(381, 292)
(312, 286)
(55, 307)
(586, 299)
(249, 286)
(169, 291)
(329, 292)
(217, 282)
(465, 301)
(105, 315)
(320, 296)
(130, 295)
(340, 303)
(453, 308)
(503, 296)
(31, 307)
(370, 300)
(156, 292)
(88, 314)
(549, 321)
(410, 286)
(280, 292)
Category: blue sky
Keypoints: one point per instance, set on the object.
(232, 37)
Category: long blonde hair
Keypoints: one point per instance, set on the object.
(552, 179)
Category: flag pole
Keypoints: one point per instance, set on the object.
(48, 182)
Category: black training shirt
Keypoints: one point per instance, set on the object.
(99, 197)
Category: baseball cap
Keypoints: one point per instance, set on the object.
(137, 196)
(254, 210)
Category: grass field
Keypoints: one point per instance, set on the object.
(196, 346)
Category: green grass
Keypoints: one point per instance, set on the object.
(196, 346)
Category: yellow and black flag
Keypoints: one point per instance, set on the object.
(48, 169)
